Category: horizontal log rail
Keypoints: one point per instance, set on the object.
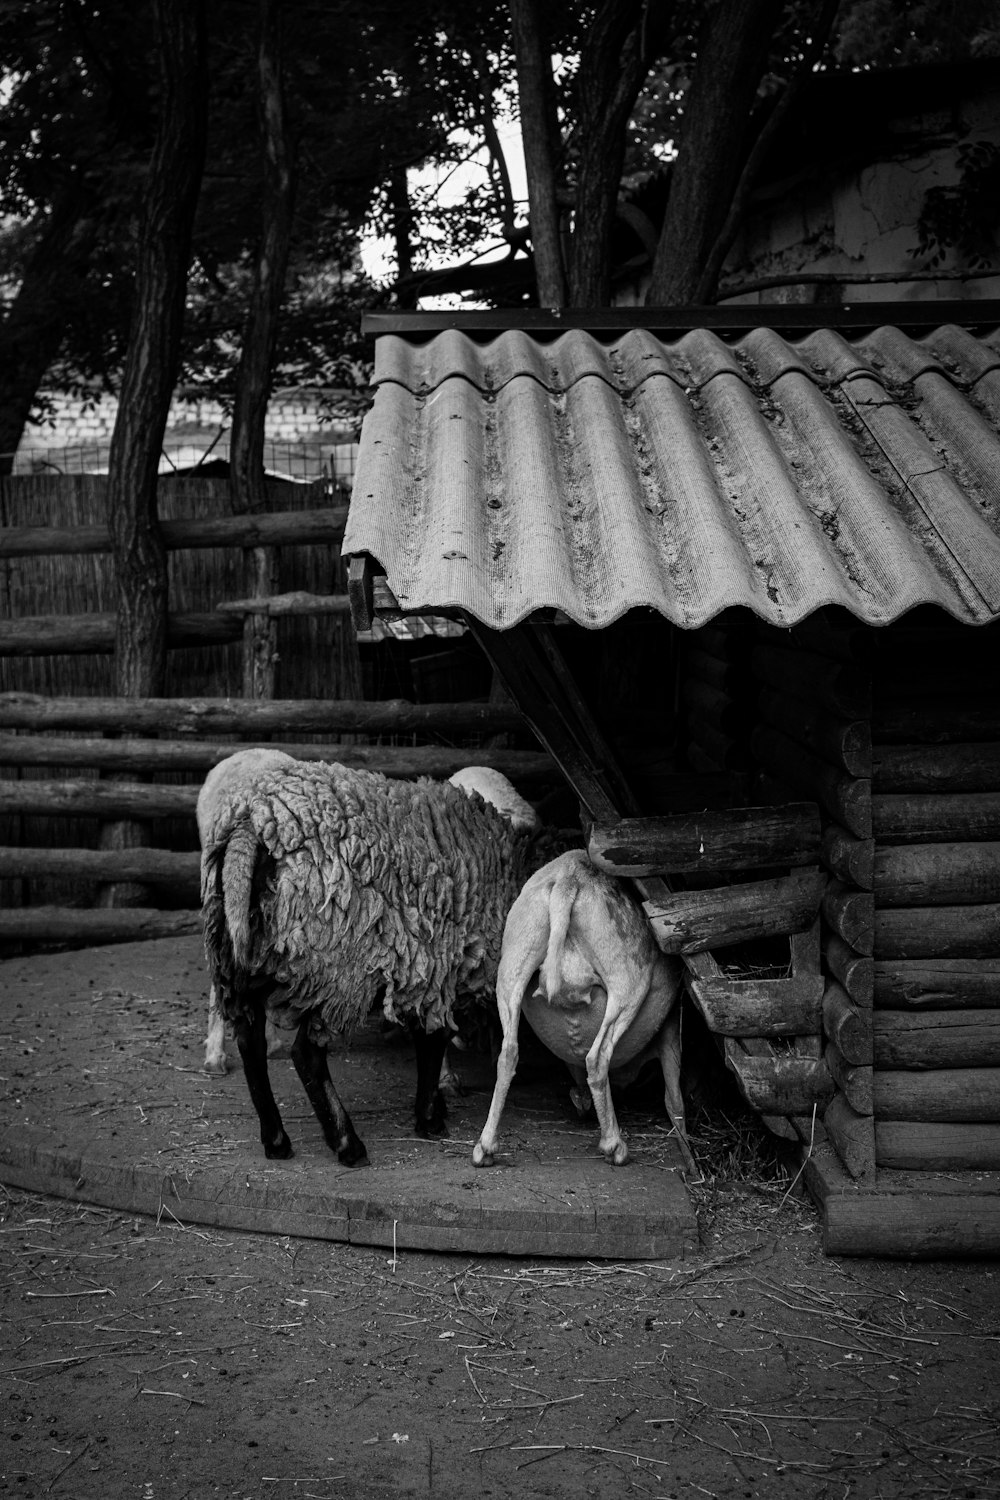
(298, 603)
(743, 838)
(936, 768)
(83, 927)
(250, 718)
(66, 751)
(694, 921)
(937, 984)
(81, 635)
(937, 1039)
(109, 800)
(937, 874)
(160, 867)
(925, 818)
(268, 529)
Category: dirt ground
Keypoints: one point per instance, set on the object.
(153, 1360)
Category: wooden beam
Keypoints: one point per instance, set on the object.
(847, 1025)
(82, 635)
(850, 859)
(937, 983)
(694, 921)
(937, 1039)
(936, 768)
(852, 1135)
(732, 1006)
(108, 800)
(923, 818)
(275, 528)
(778, 1083)
(938, 1147)
(937, 874)
(89, 926)
(743, 838)
(956, 1095)
(279, 717)
(162, 867)
(938, 932)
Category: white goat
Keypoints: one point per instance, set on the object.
(605, 999)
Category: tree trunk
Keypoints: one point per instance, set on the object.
(732, 54)
(539, 133)
(612, 69)
(253, 378)
(33, 328)
(151, 361)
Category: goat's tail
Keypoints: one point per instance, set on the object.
(561, 898)
(238, 864)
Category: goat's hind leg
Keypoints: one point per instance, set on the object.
(252, 1043)
(311, 1064)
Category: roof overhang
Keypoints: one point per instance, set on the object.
(682, 460)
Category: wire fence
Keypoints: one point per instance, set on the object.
(302, 462)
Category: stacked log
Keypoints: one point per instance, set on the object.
(936, 817)
(812, 739)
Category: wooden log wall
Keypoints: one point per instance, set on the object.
(936, 878)
(812, 738)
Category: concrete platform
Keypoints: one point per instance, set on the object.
(102, 1099)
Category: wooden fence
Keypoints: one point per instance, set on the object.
(74, 759)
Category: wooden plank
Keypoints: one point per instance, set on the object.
(94, 634)
(697, 920)
(297, 604)
(956, 1095)
(854, 1080)
(852, 1135)
(937, 1039)
(848, 858)
(273, 529)
(161, 867)
(911, 1145)
(845, 743)
(938, 932)
(84, 927)
(742, 838)
(848, 1026)
(850, 914)
(934, 726)
(917, 1226)
(925, 818)
(938, 983)
(846, 798)
(759, 1007)
(937, 874)
(97, 799)
(778, 1084)
(202, 755)
(936, 768)
(854, 970)
(843, 690)
(280, 717)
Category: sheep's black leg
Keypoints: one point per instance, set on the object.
(311, 1066)
(252, 1042)
(430, 1108)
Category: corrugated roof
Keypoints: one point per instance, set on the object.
(688, 475)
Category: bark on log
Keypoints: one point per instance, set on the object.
(903, 726)
(956, 1095)
(936, 768)
(854, 1080)
(743, 838)
(938, 932)
(289, 528)
(178, 872)
(779, 1084)
(250, 719)
(937, 874)
(844, 691)
(848, 1026)
(850, 859)
(80, 635)
(854, 970)
(846, 798)
(938, 984)
(913, 1225)
(760, 1007)
(97, 799)
(698, 920)
(927, 819)
(298, 603)
(850, 914)
(68, 926)
(201, 755)
(912, 1146)
(937, 1039)
(853, 1138)
(845, 743)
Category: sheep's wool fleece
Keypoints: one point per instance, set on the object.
(375, 884)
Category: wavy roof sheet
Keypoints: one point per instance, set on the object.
(687, 475)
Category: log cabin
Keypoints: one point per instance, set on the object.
(740, 572)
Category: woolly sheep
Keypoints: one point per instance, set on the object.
(217, 788)
(605, 1000)
(324, 889)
